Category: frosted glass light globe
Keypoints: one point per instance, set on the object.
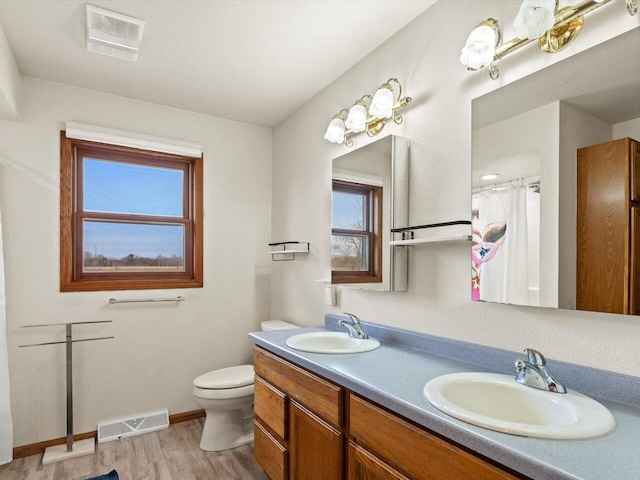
(382, 103)
(335, 131)
(534, 18)
(357, 119)
(480, 48)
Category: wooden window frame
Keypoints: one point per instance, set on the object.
(72, 278)
(373, 231)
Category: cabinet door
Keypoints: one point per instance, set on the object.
(315, 447)
(366, 466)
(634, 283)
(602, 232)
(634, 152)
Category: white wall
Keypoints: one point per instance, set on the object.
(159, 348)
(627, 129)
(9, 82)
(577, 130)
(424, 56)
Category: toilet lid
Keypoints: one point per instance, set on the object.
(230, 377)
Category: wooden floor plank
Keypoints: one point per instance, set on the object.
(170, 454)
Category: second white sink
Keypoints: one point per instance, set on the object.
(498, 402)
(331, 342)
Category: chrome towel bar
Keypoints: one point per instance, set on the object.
(148, 300)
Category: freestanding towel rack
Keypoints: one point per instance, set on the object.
(83, 447)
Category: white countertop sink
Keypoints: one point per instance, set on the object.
(331, 342)
(499, 403)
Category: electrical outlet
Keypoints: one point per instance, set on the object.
(329, 294)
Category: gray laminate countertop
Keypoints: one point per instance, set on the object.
(394, 376)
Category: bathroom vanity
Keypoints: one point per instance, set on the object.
(363, 416)
(302, 433)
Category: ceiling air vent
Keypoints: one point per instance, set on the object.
(113, 34)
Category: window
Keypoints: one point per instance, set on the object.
(356, 233)
(129, 218)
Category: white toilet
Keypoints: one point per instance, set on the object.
(226, 395)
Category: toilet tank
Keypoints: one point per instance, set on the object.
(270, 325)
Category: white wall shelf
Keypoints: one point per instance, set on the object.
(418, 241)
(408, 234)
(287, 250)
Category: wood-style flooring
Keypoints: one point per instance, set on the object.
(171, 454)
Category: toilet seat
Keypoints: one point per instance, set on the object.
(230, 377)
(222, 393)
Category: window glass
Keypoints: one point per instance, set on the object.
(115, 187)
(349, 253)
(129, 218)
(132, 247)
(348, 211)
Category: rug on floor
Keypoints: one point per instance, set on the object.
(112, 475)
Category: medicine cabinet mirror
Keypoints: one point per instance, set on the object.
(369, 198)
(525, 221)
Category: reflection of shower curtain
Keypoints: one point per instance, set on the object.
(6, 429)
(500, 246)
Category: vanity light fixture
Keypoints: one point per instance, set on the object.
(383, 105)
(542, 20)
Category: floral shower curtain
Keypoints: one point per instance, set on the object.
(6, 428)
(500, 250)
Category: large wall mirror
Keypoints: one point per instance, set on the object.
(369, 198)
(532, 191)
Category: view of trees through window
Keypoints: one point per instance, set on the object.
(349, 250)
(352, 230)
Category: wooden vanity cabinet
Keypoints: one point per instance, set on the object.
(308, 428)
(608, 227)
(397, 449)
(299, 421)
(364, 465)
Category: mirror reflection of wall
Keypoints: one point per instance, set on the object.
(534, 127)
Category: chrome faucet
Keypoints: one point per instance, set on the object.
(534, 373)
(354, 327)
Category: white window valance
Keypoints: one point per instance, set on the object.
(93, 133)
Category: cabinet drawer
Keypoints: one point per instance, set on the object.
(365, 466)
(270, 455)
(318, 395)
(270, 406)
(429, 457)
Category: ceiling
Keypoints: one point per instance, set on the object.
(254, 61)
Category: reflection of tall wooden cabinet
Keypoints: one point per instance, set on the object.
(308, 428)
(608, 227)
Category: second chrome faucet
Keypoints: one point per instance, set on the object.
(534, 373)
